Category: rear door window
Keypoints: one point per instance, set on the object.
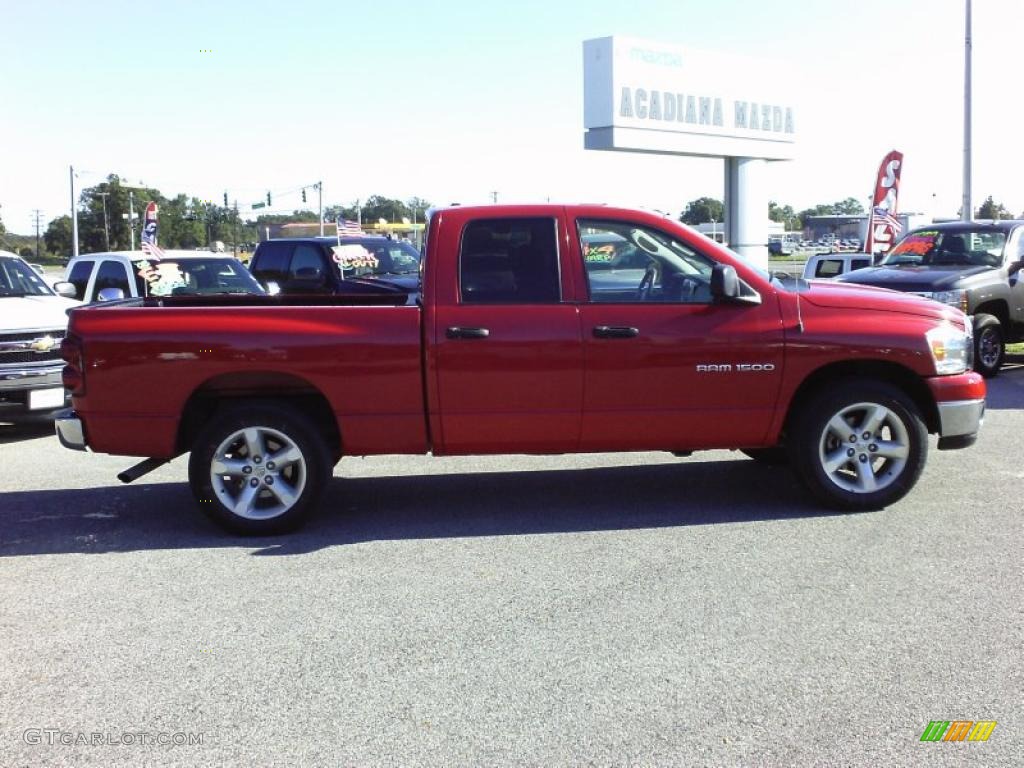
(271, 261)
(509, 261)
(828, 268)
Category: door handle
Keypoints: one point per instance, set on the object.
(467, 333)
(615, 332)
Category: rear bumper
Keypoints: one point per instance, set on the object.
(70, 431)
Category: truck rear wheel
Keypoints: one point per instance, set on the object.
(259, 468)
(859, 446)
(989, 345)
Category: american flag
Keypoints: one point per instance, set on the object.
(884, 216)
(149, 230)
(349, 227)
(151, 249)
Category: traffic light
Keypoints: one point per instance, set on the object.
(225, 199)
(268, 199)
(303, 194)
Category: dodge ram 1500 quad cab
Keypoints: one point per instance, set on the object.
(525, 339)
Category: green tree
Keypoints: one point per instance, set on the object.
(990, 209)
(119, 199)
(703, 210)
(784, 214)
(851, 206)
(378, 207)
(58, 237)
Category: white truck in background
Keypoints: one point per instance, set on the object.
(33, 321)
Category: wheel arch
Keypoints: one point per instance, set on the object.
(895, 374)
(998, 308)
(268, 386)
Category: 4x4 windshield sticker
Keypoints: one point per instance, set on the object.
(598, 253)
(161, 278)
(354, 257)
(918, 243)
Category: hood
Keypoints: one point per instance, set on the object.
(29, 313)
(829, 293)
(910, 277)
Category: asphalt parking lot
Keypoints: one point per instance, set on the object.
(606, 610)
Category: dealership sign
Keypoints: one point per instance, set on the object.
(650, 97)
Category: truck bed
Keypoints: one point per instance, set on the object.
(149, 358)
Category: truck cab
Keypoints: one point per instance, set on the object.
(333, 265)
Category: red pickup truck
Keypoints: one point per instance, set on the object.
(538, 329)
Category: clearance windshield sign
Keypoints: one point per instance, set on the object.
(645, 96)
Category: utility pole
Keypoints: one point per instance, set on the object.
(74, 215)
(966, 210)
(106, 225)
(236, 229)
(320, 190)
(38, 216)
(494, 197)
(131, 216)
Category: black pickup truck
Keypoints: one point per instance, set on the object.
(349, 265)
(972, 265)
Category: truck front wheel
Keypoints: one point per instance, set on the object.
(860, 445)
(989, 345)
(258, 469)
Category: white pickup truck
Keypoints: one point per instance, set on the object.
(33, 320)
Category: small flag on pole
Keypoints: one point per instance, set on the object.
(349, 227)
(149, 233)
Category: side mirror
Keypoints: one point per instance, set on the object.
(110, 294)
(725, 285)
(1015, 268)
(65, 289)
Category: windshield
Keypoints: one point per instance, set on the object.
(19, 279)
(982, 246)
(388, 257)
(193, 277)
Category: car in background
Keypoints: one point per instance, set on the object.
(825, 266)
(332, 265)
(33, 321)
(975, 266)
(779, 247)
(117, 275)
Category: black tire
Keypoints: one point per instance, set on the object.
(875, 474)
(282, 497)
(989, 345)
(776, 456)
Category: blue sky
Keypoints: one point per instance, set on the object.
(453, 100)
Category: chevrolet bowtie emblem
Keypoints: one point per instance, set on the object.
(44, 344)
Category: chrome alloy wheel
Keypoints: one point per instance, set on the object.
(864, 448)
(258, 473)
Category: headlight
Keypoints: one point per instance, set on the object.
(956, 299)
(951, 349)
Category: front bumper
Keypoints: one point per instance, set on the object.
(960, 402)
(70, 431)
(959, 423)
(16, 384)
